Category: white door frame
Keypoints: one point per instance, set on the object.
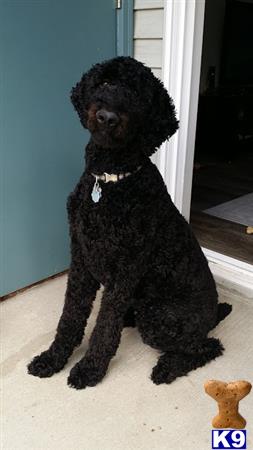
(182, 49)
(183, 31)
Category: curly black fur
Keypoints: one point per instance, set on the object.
(133, 241)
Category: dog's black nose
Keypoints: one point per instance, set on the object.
(105, 117)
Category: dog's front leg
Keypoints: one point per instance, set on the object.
(104, 340)
(80, 293)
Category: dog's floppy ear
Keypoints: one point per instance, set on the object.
(163, 121)
(77, 97)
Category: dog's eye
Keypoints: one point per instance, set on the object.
(105, 83)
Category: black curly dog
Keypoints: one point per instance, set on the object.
(127, 235)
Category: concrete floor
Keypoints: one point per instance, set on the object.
(126, 411)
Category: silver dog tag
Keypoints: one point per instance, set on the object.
(96, 192)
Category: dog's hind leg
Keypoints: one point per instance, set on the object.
(172, 365)
(80, 293)
(182, 339)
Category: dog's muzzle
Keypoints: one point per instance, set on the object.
(107, 118)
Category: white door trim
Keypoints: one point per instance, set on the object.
(230, 272)
(229, 263)
(183, 31)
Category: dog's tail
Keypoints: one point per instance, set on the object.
(224, 309)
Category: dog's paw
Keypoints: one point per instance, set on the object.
(45, 365)
(82, 376)
(161, 375)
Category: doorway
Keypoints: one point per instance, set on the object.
(222, 185)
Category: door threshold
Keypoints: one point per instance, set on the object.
(21, 290)
(231, 273)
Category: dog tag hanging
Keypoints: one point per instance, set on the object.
(96, 192)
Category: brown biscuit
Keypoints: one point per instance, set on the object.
(249, 230)
(228, 396)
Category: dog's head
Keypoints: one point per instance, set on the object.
(120, 101)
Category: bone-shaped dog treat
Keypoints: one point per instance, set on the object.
(228, 396)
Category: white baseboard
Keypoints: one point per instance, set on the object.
(231, 273)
